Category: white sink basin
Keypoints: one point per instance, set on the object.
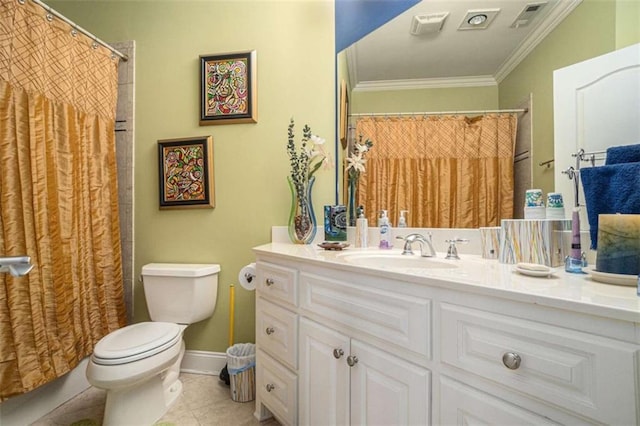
(396, 260)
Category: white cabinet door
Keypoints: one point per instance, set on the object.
(323, 375)
(386, 390)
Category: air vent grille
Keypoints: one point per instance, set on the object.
(528, 13)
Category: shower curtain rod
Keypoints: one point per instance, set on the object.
(495, 111)
(78, 28)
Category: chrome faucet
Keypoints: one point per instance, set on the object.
(426, 245)
(16, 265)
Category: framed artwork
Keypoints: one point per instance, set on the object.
(186, 172)
(228, 88)
(343, 115)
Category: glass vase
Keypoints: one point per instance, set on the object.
(302, 219)
(352, 209)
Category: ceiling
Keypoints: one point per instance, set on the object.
(391, 57)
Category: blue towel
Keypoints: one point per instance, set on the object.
(609, 190)
(623, 154)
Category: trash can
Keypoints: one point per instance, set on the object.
(241, 363)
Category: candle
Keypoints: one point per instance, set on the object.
(618, 244)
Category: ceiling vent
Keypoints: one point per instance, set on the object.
(479, 19)
(527, 14)
(425, 24)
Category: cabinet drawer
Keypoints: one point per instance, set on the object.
(398, 319)
(462, 405)
(590, 375)
(277, 388)
(277, 332)
(277, 283)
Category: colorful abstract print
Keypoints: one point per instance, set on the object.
(184, 173)
(227, 87)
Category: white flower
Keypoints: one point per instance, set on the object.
(356, 162)
(361, 148)
(317, 140)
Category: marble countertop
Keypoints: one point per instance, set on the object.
(475, 274)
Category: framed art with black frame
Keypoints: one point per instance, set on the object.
(186, 173)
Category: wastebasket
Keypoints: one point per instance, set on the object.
(241, 363)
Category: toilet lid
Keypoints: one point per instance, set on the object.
(135, 342)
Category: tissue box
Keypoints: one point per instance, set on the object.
(542, 241)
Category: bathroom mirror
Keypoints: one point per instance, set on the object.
(443, 66)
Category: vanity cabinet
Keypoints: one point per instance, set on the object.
(338, 344)
(344, 381)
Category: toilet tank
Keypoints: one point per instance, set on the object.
(182, 293)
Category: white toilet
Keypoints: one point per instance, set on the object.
(139, 365)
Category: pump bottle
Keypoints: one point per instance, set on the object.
(385, 231)
(402, 220)
(362, 229)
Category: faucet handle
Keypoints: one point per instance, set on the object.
(452, 252)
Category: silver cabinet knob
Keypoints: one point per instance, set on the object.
(352, 360)
(269, 282)
(337, 353)
(511, 360)
(270, 387)
(270, 330)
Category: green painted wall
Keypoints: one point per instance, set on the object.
(295, 58)
(627, 23)
(425, 100)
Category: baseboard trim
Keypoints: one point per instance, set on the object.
(203, 362)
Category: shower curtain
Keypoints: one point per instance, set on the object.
(58, 197)
(447, 171)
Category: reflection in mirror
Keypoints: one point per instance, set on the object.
(445, 171)
(452, 87)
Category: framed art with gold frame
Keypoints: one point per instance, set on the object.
(228, 88)
(343, 114)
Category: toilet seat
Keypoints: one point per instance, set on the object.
(135, 342)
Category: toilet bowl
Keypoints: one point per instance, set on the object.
(139, 365)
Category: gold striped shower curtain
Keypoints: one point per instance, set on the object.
(58, 197)
(448, 171)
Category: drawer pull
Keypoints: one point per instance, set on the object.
(352, 360)
(270, 387)
(270, 330)
(337, 353)
(269, 282)
(511, 360)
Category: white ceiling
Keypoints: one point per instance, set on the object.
(391, 57)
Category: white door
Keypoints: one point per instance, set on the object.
(323, 376)
(596, 105)
(386, 390)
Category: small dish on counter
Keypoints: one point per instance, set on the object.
(333, 245)
(615, 279)
(535, 269)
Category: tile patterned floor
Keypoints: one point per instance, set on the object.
(205, 401)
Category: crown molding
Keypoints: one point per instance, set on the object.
(562, 9)
(425, 83)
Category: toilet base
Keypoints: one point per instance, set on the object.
(146, 402)
(143, 404)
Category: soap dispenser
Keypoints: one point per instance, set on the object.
(385, 231)
(402, 220)
(362, 229)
